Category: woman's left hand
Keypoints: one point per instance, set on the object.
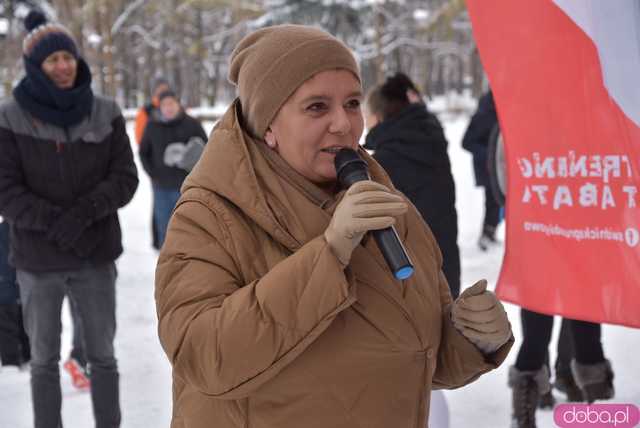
(481, 318)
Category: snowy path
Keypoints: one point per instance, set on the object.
(145, 372)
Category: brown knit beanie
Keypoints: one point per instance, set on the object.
(269, 65)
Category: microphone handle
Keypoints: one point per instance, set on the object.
(394, 252)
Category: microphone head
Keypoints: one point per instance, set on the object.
(350, 167)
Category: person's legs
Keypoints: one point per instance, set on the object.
(76, 364)
(77, 348)
(564, 380)
(93, 290)
(565, 347)
(11, 328)
(491, 220)
(42, 295)
(164, 202)
(586, 341)
(529, 377)
(14, 346)
(451, 267)
(446, 235)
(536, 335)
(592, 371)
(491, 210)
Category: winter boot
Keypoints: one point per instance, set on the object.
(527, 386)
(487, 238)
(565, 382)
(594, 380)
(79, 377)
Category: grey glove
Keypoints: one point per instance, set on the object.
(192, 152)
(481, 318)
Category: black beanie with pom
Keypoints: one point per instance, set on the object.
(45, 38)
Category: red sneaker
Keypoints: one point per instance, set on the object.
(79, 378)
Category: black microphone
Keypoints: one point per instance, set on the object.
(351, 168)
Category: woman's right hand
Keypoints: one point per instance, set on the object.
(367, 205)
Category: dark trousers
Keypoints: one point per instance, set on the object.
(491, 210)
(583, 341)
(92, 289)
(14, 344)
(77, 348)
(446, 236)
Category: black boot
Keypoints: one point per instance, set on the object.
(527, 387)
(594, 380)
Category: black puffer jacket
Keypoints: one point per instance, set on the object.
(160, 135)
(476, 137)
(44, 169)
(412, 148)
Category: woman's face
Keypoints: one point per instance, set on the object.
(61, 67)
(320, 118)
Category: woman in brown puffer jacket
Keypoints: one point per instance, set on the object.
(273, 309)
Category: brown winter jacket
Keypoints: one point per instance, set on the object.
(263, 326)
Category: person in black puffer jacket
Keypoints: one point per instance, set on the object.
(170, 147)
(482, 125)
(408, 141)
(65, 170)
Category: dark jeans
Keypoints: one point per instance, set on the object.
(164, 201)
(92, 289)
(584, 338)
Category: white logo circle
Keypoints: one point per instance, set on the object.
(632, 237)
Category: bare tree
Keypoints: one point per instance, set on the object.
(128, 43)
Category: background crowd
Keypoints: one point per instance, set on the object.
(67, 166)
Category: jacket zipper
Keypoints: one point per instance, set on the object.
(59, 149)
(70, 162)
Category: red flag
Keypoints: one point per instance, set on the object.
(565, 76)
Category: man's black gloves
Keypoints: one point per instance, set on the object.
(69, 226)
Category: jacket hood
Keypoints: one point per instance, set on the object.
(414, 133)
(234, 167)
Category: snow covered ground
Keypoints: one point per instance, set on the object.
(145, 373)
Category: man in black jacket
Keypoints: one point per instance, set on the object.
(171, 145)
(476, 140)
(65, 170)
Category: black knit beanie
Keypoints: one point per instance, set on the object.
(45, 38)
